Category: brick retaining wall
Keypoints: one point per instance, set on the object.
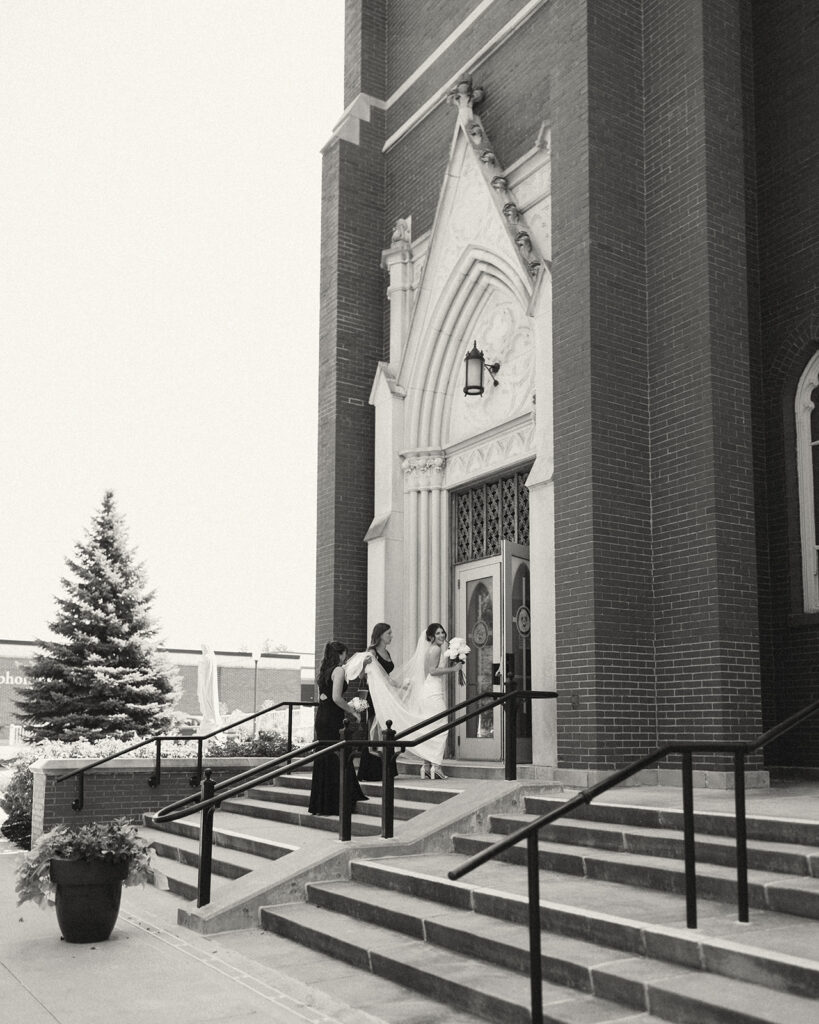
(117, 789)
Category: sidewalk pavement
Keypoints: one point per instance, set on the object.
(151, 970)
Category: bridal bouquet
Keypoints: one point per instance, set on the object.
(358, 704)
(457, 652)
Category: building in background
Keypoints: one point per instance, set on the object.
(277, 677)
(616, 203)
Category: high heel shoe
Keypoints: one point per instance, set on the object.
(425, 772)
(436, 772)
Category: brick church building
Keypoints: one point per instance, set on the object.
(616, 203)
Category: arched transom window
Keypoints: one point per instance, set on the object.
(807, 454)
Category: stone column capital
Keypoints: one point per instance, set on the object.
(423, 471)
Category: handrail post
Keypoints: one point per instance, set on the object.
(387, 784)
(153, 780)
(345, 810)
(205, 842)
(196, 778)
(535, 963)
(742, 836)
(289, 727)
(510, 708)
(688, 839)
(79, 799)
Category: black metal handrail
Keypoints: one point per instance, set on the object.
(155, 777)
(687, 749)
(213, 794)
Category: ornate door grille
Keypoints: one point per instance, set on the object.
(488, 513)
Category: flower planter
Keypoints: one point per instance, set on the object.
(87, 898)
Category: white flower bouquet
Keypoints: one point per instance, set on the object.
(458, 649)
(358, 704)
(457, 652)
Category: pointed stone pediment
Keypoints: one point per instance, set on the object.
(479, 276)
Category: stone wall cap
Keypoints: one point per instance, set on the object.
(67, 764)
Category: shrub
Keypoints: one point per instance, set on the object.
(16, 801)
(263, 744)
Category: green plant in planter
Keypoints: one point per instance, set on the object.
(84, 868)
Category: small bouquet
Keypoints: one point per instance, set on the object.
(358, 704)
(457, 652)
(458, 649)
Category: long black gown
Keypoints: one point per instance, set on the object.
(369, 767)
(324, 789)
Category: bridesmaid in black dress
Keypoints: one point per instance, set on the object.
(329, 720)
(369, 768)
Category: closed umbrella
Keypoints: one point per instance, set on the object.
(207, 689)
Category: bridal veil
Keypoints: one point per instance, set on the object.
(398, 697)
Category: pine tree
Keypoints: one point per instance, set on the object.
(104, 676)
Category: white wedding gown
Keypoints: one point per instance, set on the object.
(406, 697)
(433, 702)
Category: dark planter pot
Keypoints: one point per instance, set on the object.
(88, 895)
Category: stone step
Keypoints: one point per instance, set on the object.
(787, 893)
(761, 827)
(403, 809)
(782, 858)
(638, 982)
(455, 769)
(362, 825)
(415, 790)
(224, 837)
(229, 863)
(773, 949)
(494, 993)
(182, 879)
(566, 961)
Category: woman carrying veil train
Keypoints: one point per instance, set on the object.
(412, 693)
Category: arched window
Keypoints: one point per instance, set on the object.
(807, 459)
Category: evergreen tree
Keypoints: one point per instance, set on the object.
(104, 676)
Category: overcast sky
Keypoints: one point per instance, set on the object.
(159, 282)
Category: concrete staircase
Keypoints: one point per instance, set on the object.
(615, 946)
(266, 824)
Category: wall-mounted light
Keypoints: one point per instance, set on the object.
(475, 364)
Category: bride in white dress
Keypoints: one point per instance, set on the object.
(413, 693)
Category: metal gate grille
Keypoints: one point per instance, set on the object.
(487, 513)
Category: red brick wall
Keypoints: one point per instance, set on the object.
(351, 342)
(786, 92)
(603, 507)
(116, 790)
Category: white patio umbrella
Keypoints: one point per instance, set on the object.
(207, 689)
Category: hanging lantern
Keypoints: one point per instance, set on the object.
(473, 362)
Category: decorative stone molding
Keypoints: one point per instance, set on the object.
(489, 454)
(402, 232)
(466, 96)
(423, 471)
(511, 213)
(397, 261)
